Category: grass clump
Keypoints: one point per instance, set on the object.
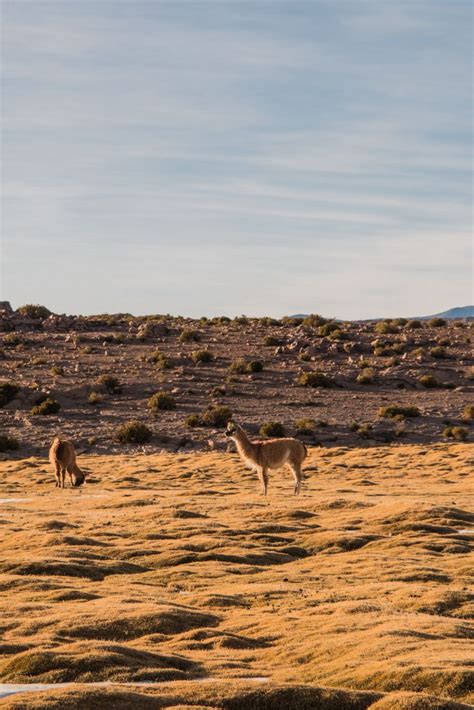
(133, 432)
(429, 381)
(439, 352)
(362, 430)
(272, 430)
(160, 360)
(57, 370)
(202, 356)
(437, 323)
(12, 340)
(312, 321)
(8, 391)
(305, 426)
(414, 325)
(315, 379)
(94, 398)
(271, 341)
(216, 416)
(189, 336)
(242, 366)
(193, 421)
(47, 406)
(396, 411)
(327, 329)
(458, 433)
(34, 311)
(8, 443)
(161, 401)
(366, 377)
(468, 412)
(386, 328)
(111, 384)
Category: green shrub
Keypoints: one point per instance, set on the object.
(399, 321)
(414, 325)
(47, 406)
(366, 377)
(238, 367)
(436, 322)
(12, 340)
(202, 356)
(133, 432)
(94, 398)
(327, 329)
(438, 352)
(255, 366)
(216, 416)
(458, 433)
(315, 379)
(270, 341)
(34, 311)
(161, 401)
(428, 381)
(160, 360)
(111, 384)
(8, 391)
(396, 411)
(468, 412)
(8, 443)
(385, 328)
(272, 430)
(312, 321)
(305, 426)
(193, 420)
(188, 336)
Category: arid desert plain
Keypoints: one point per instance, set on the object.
(169, 581)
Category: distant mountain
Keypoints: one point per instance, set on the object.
(455, 313)
(459, 312)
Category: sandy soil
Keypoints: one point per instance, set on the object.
(173, 568)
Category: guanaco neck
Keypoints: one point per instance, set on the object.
(245, 447)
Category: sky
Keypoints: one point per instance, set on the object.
(260, 157)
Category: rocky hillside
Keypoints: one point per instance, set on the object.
(180, 379)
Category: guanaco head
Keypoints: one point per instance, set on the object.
(231, 429)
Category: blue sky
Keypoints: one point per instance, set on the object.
(202, 158)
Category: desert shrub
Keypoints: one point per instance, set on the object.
(34, 311)
(327, 329)
(366, 377)
(94, 398)
(436, 322)
(3, 354)
(315, 379)
(221, 320)
(133, 432)
(160, 360)
(57, 370)
(459, 324)
(47, 406)
(266, 321)
(161, 401)
(444, 342)
(193, 420)
(241, 320)
(216, 416)
(468, 412)
(189, 336)
(111, 384)
(388, 349)
(362, 430)
(202, 356)
(393, 362)
(439, 352)
(385, 328)
(255, 366)
(322, 423)
(270, 341)
(397, 411)
(314, 321)
(87, 350)
(399, 321)
(38, 361)
(12, 340)
(458, 433)
(292, 322)
(304, 356)
(414, 325)
(305, 426)
(272, 430)
(8, 391)
(429, 381)
(8, 443)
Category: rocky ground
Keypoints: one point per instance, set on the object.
(364, 369)
(173, 569)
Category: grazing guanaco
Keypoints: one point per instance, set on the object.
(63, 457)
(265, 455)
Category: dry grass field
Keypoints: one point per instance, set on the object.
(174, 568)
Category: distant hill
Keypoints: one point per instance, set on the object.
(455, 313)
